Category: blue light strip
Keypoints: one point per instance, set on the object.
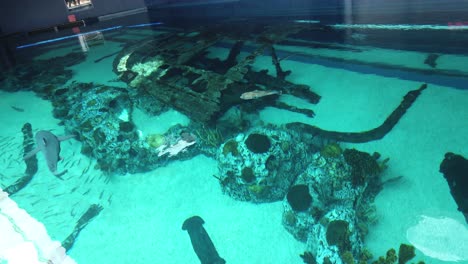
(62, 38)
(145, 25)
(82, 34)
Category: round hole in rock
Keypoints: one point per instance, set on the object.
(338, 235)
(299, 197)
(126, 126)
(248, 175)
(258, 143)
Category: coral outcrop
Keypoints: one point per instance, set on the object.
(101, 116)
(331, 224)
(259, 166)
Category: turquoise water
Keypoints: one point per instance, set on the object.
(334, 154)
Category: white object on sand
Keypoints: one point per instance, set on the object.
(24, 240)
(175, 149)
(441, 238)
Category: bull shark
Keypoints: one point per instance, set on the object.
(49, 144)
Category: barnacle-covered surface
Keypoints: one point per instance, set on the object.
(101, 116)
(261, 165)
(335, 199)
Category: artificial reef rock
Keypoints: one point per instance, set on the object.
(101, 117)
(327, 210)
(261, 165)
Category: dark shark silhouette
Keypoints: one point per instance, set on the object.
(201, 241)
(49, 144)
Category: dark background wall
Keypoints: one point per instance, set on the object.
(24, 15)
(352, 11)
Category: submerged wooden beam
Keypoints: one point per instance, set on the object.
(365, 136)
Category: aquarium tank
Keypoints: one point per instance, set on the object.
(234, 131)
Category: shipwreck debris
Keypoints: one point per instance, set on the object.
(174, 70)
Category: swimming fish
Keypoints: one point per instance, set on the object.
(255, 94)
(49, 144)
(431, 60)
(201, 241)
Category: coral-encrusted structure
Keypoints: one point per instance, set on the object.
(101, 116)
(173, 70)
(334, 223)
(97, 114)
(261, 165)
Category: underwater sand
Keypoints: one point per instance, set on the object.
(143, 213)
